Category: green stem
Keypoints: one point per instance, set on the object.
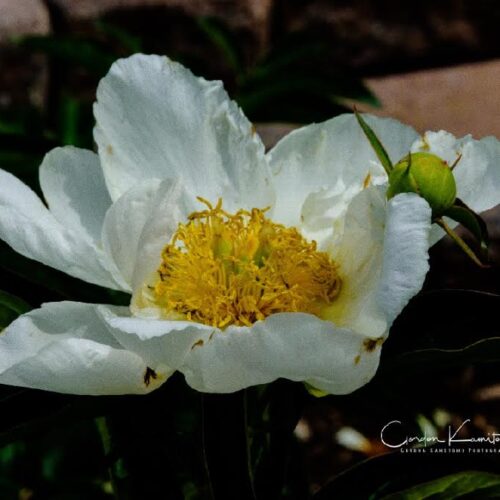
(460, 242)
(247, 439)
(204, 450)
(141, 444)
(225, 446)
(103, 429)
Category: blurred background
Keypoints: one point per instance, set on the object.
(433, 65)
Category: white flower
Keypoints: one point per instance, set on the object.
(165, 138)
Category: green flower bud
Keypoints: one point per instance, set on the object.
(427, 175)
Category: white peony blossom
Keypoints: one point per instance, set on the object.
(243, 266)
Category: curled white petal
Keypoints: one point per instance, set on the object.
(65, 347)
(294, 346)
(141, 223)
(73, 186)
(172, 205)
(359, 253)
(33, 231)
(160, 343)
(406, 244)
(123, 224)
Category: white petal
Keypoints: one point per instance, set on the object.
(359, 253)
(477, 173)
(30, 229)
(382, 257)
(406, 244)
(485, 189)
(294, 346)
(74, 188)
(160, 343)
(172, 205)
(123, 224)
(334, 160)
(141, 223)
(155, 119)
(65, 347)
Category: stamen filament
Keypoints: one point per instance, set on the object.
(226, 269)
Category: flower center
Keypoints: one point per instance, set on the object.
(225, 269)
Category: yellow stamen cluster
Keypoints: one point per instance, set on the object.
(225, 269)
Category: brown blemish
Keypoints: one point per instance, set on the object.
(198, 343)
(253, 130)
(148, 375)
(367, 181)
(425, 143)
(455, 163)
(369, 345)
(357, 359)
(109, 149)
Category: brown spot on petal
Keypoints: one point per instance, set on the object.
(148, 375)
(198, 343)
(253, 130)
(367, 181)
(425, 144)
(109, 149)
(357, 359)
(369, 345)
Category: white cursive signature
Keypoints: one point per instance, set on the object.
(491, 438)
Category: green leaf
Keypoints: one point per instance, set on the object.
(223, 39)
(330, 84)
(464, 329)
(24, 120)
(10, 308)
(461, 213)
(286, 55)
(377, 146)
(301, 54)
(129, 42)
(384, 476)
(296, 99)
(425, 360)
(278, 466)
(70, 114)
(39, 283)
(479, 484)
(297, 82)
(73, 51)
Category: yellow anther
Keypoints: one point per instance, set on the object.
(226, 269)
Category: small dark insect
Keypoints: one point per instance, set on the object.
(148, 375)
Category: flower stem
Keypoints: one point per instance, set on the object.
(103, 429)
(459, 241)
(204, 451)
(225, 442)
(248, 443)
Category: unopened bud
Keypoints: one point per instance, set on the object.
(427, 175)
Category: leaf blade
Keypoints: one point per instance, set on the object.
(481, 484)
(377, 146)
(10, 308)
